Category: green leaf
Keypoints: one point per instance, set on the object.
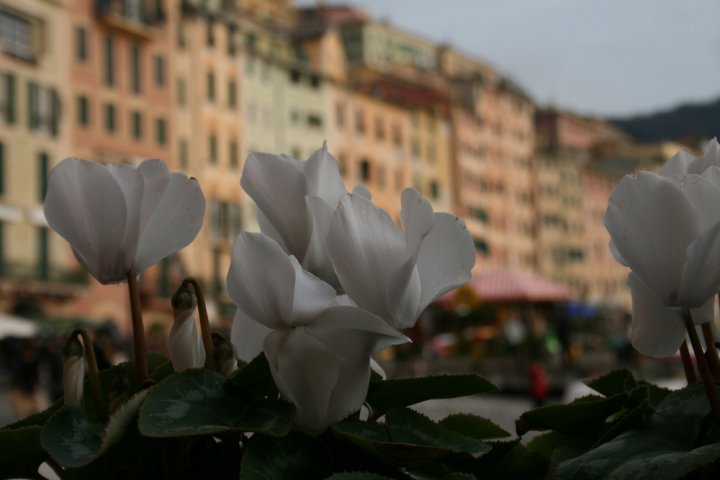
(21, 453)
(473, 426)
(409, 391)
(408, 426)
(613, 383)
(356, 476)
(70, 438)
(581, 417)
(630, 419)
(255, 378)
(513, 461)
(664, 448)
(355, 430)
(293, 456)
(73, 440)
(37, 419)
(198, 402)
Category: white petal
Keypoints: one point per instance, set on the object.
(133, 190)
(657, 331)
(268, 229)
(704, 196)
(712, 174)
(446, 258)
(652, 223)
(705, 313)
(377, 368)
(277, 185)
(316, 257)
(711, 157)
(366, 249)
(305, 372)
(86, 206)
(416, 216)
(73, 378)
(247, 336)
(677, 166)
(616, 255)
(354, 333)
(173, 223)
(323, 177)
(361, 191)
(351, 389)
(261, 279)
(156, 179)
(184, 343)
(701, 276)
(311, 296)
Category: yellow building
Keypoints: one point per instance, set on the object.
(34, 136)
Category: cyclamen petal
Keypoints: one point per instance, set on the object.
(392, 273)
(116, 217)
(184, 343)
(315, 341)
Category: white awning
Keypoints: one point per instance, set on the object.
(11, 326)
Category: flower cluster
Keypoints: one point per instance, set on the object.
(324, 287)
(665, 226)
(331, 277)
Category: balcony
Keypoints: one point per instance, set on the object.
(136, 17)
(41, 279)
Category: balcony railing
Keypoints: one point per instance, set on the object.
(41, 278)
(133, 16)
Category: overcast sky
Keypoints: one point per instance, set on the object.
(603, 57)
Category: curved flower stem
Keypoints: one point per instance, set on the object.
(204, 324)
(141, 368)
(687, 364)
(707, 377)
(93, 376)
(710, 350)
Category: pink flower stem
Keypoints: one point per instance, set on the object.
(707, 377)
(141, 367)
(710, 350)
(687, 364)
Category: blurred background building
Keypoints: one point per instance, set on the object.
(202, 83)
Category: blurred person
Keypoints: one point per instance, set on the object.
(25, 368)
(537, 376)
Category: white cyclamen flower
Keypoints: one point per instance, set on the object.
(683, 163)
(117, 217)
(184, 341)
(296, 201)
(668, 232)
(73, 371)
(395, 273)
(318, 349)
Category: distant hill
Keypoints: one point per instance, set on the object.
(686, 123)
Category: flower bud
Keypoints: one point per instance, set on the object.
(184, 342)
(225, 357)
(73, 371)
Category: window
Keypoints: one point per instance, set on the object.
(359, 121)
(212, 149)
(232, 39)
(379, 128)
(159, 71)
(482, 246)
(397, 135)
(365, 170)
(2, 170)
(81, 52)
(43, 109)
(434, 190)
(135, 68)
(109, 61)
(210, 35)
(232, 93)
(181, 92)
(181, 34)
(136, 121)
(7, 97)
(234, 154)
(184, 154)
(225, 220)
(294, 76)
(83, 110)
(43, 254)
(340, 115)
(314, 120)
(380, 174)
(43, 168)
(109, 117)
(16, 36)
(160, 131)
(211, 86)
